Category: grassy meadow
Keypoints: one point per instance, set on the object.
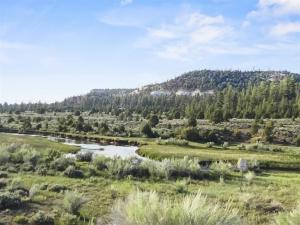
(258, 200)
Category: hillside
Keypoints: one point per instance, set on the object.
(206, 80)
(214, 95)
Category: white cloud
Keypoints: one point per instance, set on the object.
(280, 7)
(186, 36)
(283, 29)
(126, 2)
(266, 9)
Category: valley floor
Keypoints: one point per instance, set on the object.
(271, 191)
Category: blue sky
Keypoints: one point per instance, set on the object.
(51, 49)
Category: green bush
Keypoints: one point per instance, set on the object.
(172, 141)
(190, 134)
(84, 156)
(297, 140)
(41, 218)
(62, 163)
(68, 219)
(21, 220)
(9, 201)
(57, 188)
(3, 174)
(73, 201)
(100, 162)
(72, 172)
(3, 183)
(144, 208)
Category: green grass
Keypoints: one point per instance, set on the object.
(254, 201)
(201, 151)
(39, 143)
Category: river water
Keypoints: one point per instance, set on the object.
(99, 149)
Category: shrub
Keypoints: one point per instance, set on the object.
(250, 176)
(146, 130)
(210, 144)
(68, 219)
(41, 218)
(42, 170)
(60, 164)
(4, 155)
(18, 187)
(9, 201)
(221, 168)
(57, 188)
(100, 162)
(173, 141)
(144, 208)
(84, 156)
(3, 174)
(21, 220)
(190, 134)
(3, 183)
(30, 155)
(242, 147)
(297, 140)
(72, 172)
(124, 167)
(33, 191)
(73, 201)
(225, 145)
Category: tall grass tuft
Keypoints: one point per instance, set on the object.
(148, 208)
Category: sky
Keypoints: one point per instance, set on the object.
(52, 49)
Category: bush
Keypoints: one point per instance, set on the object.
(173, 141)
(9, 201)
(33, 191)
(3, 183)
(73, 201)
(221, 168)
(146, 130)
(41, 218)
(3, 174)
(190, 134)
(297, 140)
(57, 188)
(125, 167)
(174, 168)
(18, 187)
(42, 170)
(225, 145)
(100, 162)
(262, 147)
(4, 155)
(72, 172)
(144, 208)
(21, 220)
(84, 156)
(210, 144)
(68, 219)
(62, 163)
(250, 176)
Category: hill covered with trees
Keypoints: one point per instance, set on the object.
(236, 94)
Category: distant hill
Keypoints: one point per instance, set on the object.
(205, 80)
(203, 94)
(198, 82)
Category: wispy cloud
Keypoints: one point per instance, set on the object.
(187, 35)
(126, 2)
(283, 29)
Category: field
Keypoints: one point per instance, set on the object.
(258, 200)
